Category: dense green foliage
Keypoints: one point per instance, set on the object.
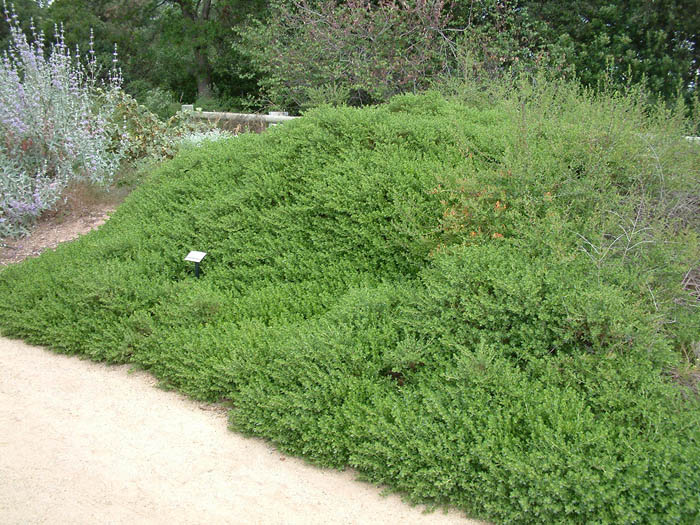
(469, 302)
(171, 52)
(626, 41)
(327, 49)
(602, 40)
(297, 52)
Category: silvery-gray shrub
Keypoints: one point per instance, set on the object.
(55, 125)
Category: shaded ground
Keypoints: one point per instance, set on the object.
(83, 442)
(49, 233)
(84, 209)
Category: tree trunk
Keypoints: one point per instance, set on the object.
(201, 58)
(203, 72)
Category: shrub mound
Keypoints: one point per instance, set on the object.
(468, 302)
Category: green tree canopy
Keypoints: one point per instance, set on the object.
(627, 39)
(182, 46)
(193, 48)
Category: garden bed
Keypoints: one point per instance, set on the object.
(478, 304)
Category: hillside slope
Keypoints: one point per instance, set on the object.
(469, 304)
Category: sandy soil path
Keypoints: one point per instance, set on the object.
(82, 442)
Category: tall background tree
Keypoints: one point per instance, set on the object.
(626, 40)
(28, 12)
(197, 14)
(177, 50)
(203, 30)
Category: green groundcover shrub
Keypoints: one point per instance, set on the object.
(476, 303)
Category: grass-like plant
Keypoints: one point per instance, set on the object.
(478, 303)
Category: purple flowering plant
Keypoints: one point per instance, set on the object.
(56, 125)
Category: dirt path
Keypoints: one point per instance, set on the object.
(82, 442)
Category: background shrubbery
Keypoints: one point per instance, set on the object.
(357, 52)
(240, 54)
(475, 302)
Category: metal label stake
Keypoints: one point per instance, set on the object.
(196, 258)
